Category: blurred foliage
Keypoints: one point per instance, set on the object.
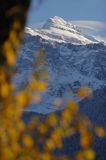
(38, 138)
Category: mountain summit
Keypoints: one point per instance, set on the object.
(57, 22)
(59, 30)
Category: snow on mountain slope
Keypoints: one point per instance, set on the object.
(72, 61)
(57, 29)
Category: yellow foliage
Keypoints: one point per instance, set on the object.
(22, 98)
(41, 86)
(100, 131)
(7, 154)
(5, 90)
(27, 141)
(84, 92)
(89, 154)
(42, 129)
(46, 157)
(72, 106)
(38, 86)
(86, 139)
(52, 120)
(50, 144)
(56, 138)
(66, 117)
(2, 75)
(9, 53)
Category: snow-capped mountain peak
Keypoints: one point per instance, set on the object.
(58, 30)
(55, 21)
(58, 22)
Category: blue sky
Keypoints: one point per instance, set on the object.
(73, 10)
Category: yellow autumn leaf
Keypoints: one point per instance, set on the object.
(11, 57)
(100, 131)
(27, 141)
(22, 98)
(52, 120)
(42, 128)
(85, 140)
(2, 75)
(13, 39)
(5, 90)
(84, 92)
(66, 116)
(46, 157)
(50, 144)
(89, 154)
(38, 86)
(42, 86)
(72, 106)
(7, 154)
